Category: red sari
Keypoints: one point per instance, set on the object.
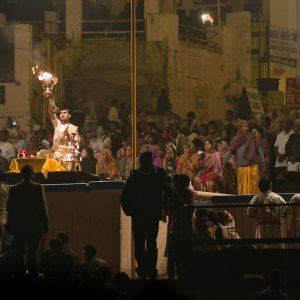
(209, 175)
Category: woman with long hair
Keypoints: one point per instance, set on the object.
(107, 166)
(209, 177)
(88, 161)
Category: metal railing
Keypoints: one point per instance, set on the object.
(91, 29)
(114, 29)
(276, 224)
(195, 36)
(51, 29)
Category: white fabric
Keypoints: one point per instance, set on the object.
(8, 150)
(280, 142)
(100, 143)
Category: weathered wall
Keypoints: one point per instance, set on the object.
(282, 14)
(91, 73)
(18, 92)
(210, 82)
(99, 71)
(198, 79)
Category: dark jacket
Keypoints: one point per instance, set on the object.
(27, 209)
(143, 194)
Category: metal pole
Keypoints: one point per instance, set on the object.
(133, 111)
(298, 34)
(219, 23)
(45, 106)
(133, 81)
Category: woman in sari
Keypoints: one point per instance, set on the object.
(188, 162)
(170, 160)
(209, 177)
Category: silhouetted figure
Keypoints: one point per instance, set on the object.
(88, 161)
(64, 237)
(274, 289)
(8, 267)
(27, 219)
(142, 199)
(57, 264)
(163, 105)
(180, 228)
(94, 271)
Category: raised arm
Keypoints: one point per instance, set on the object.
(52, 109)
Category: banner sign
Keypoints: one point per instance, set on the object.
(255, 103)
(292, 95)
(283, 43)
(284, 61)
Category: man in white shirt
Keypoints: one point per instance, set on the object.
(64, 133)
(281, 157)
(265, 208)
(8, 150)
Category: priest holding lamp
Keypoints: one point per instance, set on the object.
(65, 138)
(65, 134)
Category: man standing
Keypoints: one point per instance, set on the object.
(281, 157)
(27, 219)
(64, 133)
(7, 149)
(292, 148)
(265, 208)
(142, 199)
(247, 154)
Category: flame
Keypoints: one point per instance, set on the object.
(44, 76)
(207, 18)
(41, 75)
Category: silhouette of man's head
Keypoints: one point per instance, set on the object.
(63, 236)
(89, 251)
(146, 159)
(264, 184)
(27, 172)
(56, 245)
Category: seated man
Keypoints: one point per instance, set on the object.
(65, 134)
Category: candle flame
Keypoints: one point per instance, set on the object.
(207, 18)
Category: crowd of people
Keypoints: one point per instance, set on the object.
(227, 156)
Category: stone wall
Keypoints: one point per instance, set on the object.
(205, 81)
(209, 82)
(17, 93)
(92, 73)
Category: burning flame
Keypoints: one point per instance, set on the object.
(41, 75)
(207, 18)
